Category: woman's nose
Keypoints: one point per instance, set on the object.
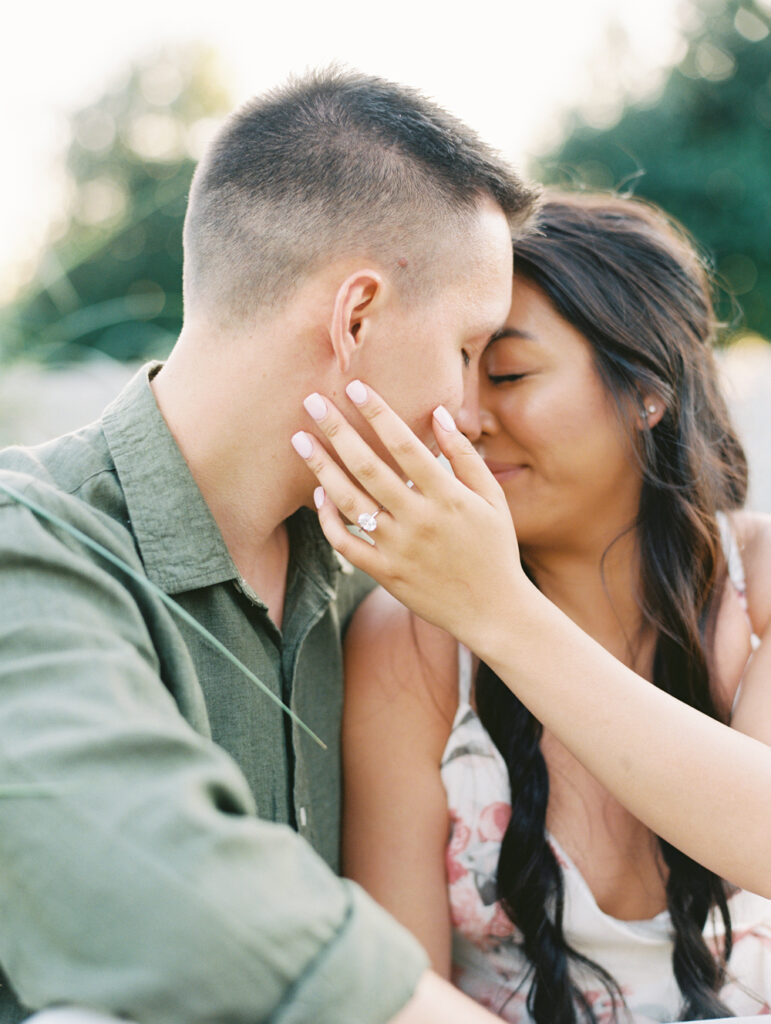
(476, 419)
(487, 422)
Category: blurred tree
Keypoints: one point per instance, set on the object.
(702, 149)
(111, 281)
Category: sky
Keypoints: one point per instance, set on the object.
(511, 69)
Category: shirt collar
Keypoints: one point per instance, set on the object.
(179, 541)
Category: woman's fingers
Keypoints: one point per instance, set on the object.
(364, 465)
(374, 475)
(350, 499)
(412, 456)
(357, 551)
(467, 464)
(374, 483)
(407, 450)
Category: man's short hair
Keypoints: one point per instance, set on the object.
(330, 165)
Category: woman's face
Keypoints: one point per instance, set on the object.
(551, 433)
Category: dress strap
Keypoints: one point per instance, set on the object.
(464, 675)
(733, 555)
(735, 566)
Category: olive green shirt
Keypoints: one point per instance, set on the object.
(149, 792)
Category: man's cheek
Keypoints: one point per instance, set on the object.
(423, 427)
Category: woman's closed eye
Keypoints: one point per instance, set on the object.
(504, 378)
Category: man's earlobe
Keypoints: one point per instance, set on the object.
(356, 298)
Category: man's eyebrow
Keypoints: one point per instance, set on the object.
(511, 332)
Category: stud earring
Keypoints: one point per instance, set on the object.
(651, 409)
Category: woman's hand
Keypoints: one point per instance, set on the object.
(445, 546)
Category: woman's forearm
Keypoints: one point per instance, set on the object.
(700, 785)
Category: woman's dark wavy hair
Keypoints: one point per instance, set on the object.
(631, 282)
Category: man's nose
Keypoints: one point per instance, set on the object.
(468, 418)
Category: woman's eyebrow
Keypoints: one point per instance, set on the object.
(512, 332)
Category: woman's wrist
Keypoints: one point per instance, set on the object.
(500, 628)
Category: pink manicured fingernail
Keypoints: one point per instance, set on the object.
(318, 497)
(316, 406)
(302, 444)
(356, 392)
(443, 418)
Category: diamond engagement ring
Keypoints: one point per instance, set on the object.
(368, 520)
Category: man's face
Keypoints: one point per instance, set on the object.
(428, 353)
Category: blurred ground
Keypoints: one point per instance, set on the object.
(36, 404)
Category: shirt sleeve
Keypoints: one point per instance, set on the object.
(135, 877)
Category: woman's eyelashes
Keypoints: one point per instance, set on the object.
(504, 378)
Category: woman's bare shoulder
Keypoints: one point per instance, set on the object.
(397, 661)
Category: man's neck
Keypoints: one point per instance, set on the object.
(236, 442)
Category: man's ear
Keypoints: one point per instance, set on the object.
(650, 413)
(356, 298)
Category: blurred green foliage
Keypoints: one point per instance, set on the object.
(702, 150)
(112, 280)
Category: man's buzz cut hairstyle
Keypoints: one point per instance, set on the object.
(330, 165)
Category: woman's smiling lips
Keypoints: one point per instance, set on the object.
(504, 470)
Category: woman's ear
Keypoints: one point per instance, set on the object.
(356, 298)
(650, 412)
